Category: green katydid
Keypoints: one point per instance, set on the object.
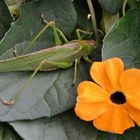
(60, 56)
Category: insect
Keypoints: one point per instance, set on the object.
(60, 56)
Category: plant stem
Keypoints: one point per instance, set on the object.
(123, 7)
(93, 18)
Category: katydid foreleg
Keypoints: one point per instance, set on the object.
(55, 30)
(86, 58)
(75, 72)
(78, 31)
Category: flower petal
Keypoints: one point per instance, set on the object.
(114, 120)
(91, 101)
(90, 111)
(130, 85)
(130, 81)
(134, 100)
(134, 113)
(107, 73)
(91, 92)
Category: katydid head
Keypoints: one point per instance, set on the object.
(87, 45)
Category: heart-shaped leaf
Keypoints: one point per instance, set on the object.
(7, 132)
(65, 126)
(112, 6)
(123, 40)
(134, 3)
(5, 18)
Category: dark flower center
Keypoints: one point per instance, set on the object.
(118, 98)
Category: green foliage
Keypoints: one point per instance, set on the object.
(108, 20)
(123, 40)
(112, 6)
(51, 94)
(65, 126)
(5, 18)
(7, 133)
(134, 3)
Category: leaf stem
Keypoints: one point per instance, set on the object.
(123, 7)
(93, 18)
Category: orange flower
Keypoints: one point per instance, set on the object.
(114, 102)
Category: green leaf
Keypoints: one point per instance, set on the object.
(14, 6)
(30, 23)
(5, 18)
(112, 6)
(7, 132)
(130, 134)
(123, 40)
(134, 3)
(104, 136)
(48, 94)
(12, 2)
(82, 11)
(108, 20)
(65, 126)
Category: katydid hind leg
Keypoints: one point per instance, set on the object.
(12, 101)
(44, 62)
(43, 19)
(61, 65)
(7, 102)
(48, 24)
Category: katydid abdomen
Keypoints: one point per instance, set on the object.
(64, 55)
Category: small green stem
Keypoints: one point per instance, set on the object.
(93, 18)
(36, 37)
(123, 7)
